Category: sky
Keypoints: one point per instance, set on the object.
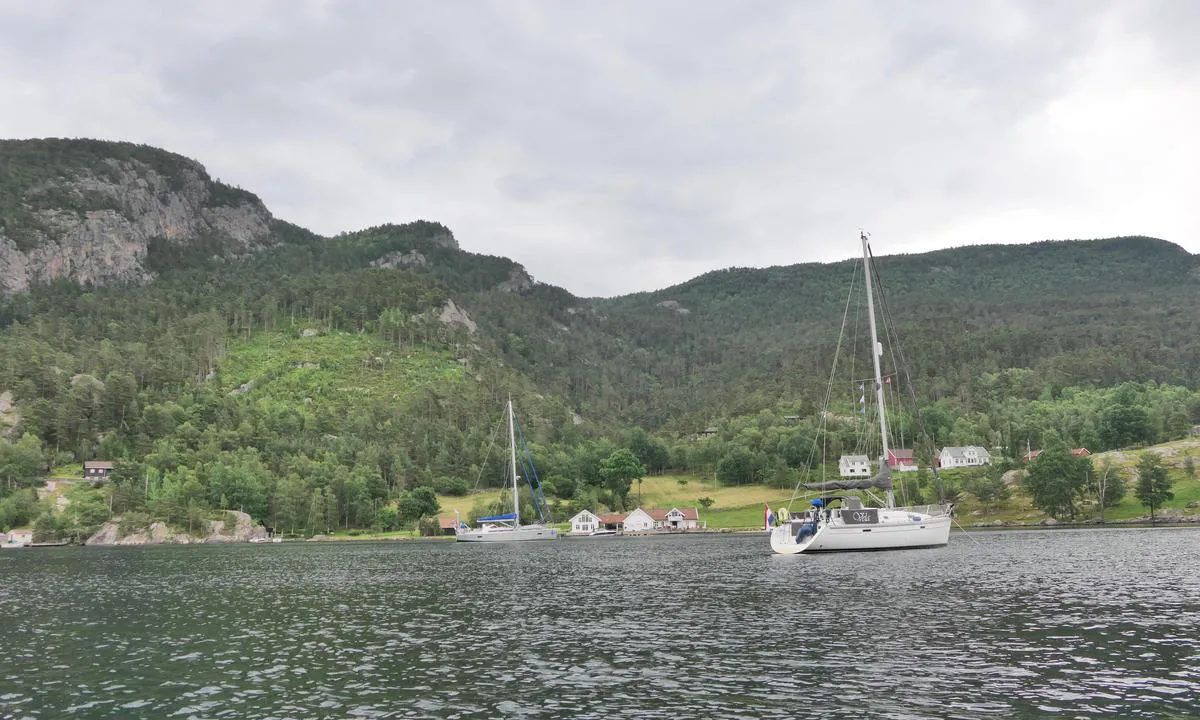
(613, 146)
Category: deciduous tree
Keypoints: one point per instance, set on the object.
(1154, 482)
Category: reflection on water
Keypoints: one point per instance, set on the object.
(1070, 622)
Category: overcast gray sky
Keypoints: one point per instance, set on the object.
(615, 146)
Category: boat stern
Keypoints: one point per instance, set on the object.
(792, 539)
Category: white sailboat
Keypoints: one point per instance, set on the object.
(507, 527)
(851, 526)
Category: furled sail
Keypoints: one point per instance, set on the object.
(881, 480)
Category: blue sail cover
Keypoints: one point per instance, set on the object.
(499, 518)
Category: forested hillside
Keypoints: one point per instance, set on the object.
(1083, 313)
(322, 382)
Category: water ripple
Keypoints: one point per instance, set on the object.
(1075, 623)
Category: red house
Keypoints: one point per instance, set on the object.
(902, 460)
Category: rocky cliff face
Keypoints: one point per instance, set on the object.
(91, 219)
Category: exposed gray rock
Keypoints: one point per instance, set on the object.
(133, 205)
(89, 380)
(673, 305)
(9, 417)
(401, 259)
(518, 281)
(452, 314)
(243, 530)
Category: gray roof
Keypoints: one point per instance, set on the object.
(962, 451)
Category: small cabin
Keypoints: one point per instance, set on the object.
(96, 471)
(707, 432)
(447, 525)
(851, 466)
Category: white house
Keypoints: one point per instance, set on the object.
(968, 456)
(676, 518)
(585, 522)
(855, 466)
(639, 521)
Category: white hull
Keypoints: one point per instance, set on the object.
(507, 534)
(929, 531)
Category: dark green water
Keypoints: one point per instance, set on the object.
(1069, 623)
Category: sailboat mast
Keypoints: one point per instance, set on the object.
(876, 352)
(512, 444)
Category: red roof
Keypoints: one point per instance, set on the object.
(447, 523)
(612, 518)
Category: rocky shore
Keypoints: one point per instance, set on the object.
(238, 528)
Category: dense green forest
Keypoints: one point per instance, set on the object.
(315, 387)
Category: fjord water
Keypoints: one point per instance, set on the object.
(1074, 623)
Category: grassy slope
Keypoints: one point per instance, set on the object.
(336, 367)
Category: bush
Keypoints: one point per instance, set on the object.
(46, 529)
(132, 522)
(387, 518)
(450, 486)
(429, 527)
(17, 509)
(559, 486)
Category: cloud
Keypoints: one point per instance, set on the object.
(618, 146)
